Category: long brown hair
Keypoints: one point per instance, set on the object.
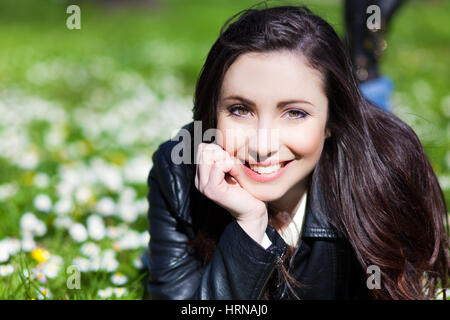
(380, 185)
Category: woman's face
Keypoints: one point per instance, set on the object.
(272, 113)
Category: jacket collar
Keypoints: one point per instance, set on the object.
(317, 222)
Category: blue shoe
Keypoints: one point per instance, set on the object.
(378, 91)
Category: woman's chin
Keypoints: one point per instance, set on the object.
(267, 195)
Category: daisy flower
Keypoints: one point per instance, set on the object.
(118, 292)
(4, 255)
(28, 244)
(119, 279)
(30, 225)
(95, 264)
(64, 206)
(44, 293)
(106, 206)
(83, 194)
(41, 180)
(137, 263)
(6, 270)
(109, 264)
(90, 249)
(42, 202)
(50, 270)
(96, 227)
(440, 294)
(39, 275)
(28, 221)
(9, 247)
(78, 232)
(40, 254)
(82, 263)
(105, 293)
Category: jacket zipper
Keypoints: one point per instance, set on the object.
(290, 263)
(278, 261)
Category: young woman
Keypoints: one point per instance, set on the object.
(306, 192)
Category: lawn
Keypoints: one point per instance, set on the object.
(81, 112)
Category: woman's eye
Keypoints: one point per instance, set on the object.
(295, 114)
(239, 111)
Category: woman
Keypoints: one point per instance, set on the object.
(307, 192)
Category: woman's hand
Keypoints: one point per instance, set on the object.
(216, 179)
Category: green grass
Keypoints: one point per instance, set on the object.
(114, 61)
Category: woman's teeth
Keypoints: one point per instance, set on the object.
(265, 170)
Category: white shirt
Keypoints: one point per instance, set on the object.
(291, 233)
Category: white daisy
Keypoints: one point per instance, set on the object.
(129, 241)
(40, 228)
(8, 190)
(96, 227)
(41, 180)
(128, 212)
(144, 238)
(28, 221)
(64, 206)
(6, 270)
(119, 279)
(8, 247)
(30, 225)
(90, 249)
(83, 194)
(42, 202)
(62, 222)
(109, 264)
(44, 293)
(78, 232)
(4, 255)
(82, 263)
(28, 160)
(28, 244)
(134, 168)
(118, 292)
(106, 206)
(50, 270)
(137, 263)
(114, 232)
(39, 275)
(105, 293)
(95, 264)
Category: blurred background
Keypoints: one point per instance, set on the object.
(81, 112)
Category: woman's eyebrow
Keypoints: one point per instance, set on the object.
(279, 105)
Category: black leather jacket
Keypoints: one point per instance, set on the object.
(240, 268)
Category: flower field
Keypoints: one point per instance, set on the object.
(81, 112)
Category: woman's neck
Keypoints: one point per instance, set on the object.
(290, 201)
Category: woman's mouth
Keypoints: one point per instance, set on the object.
(265, 173)
(265, 169)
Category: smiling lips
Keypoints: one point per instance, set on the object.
(265, 173)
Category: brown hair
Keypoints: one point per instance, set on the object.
(380, 186)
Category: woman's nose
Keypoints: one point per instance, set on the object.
(263, 144)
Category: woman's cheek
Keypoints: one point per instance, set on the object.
(231, 138)
(305, 141)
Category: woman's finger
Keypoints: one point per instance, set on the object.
(218, 171)
(203, 167)
(208, 153)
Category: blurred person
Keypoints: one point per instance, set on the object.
(345, 187)
(366, 47)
